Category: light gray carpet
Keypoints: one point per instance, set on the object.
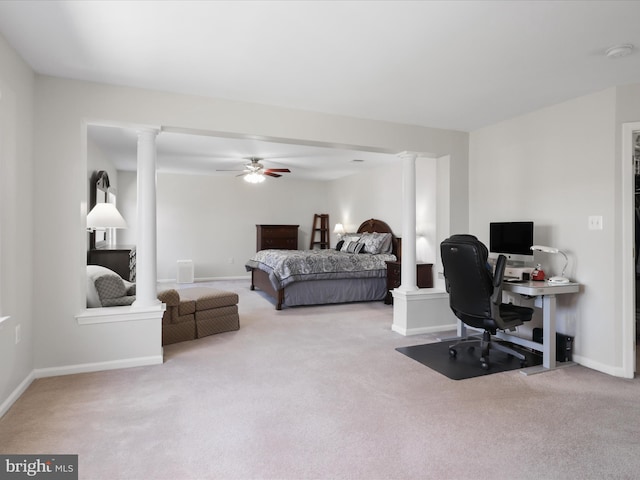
(321, 393)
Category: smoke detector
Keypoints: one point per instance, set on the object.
(618, 51)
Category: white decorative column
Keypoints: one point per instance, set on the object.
(424, 310)
(102, 327)
(146, 261)
(408, 281)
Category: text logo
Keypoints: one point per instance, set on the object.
(49, 467)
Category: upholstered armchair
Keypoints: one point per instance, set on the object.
(105, 288)
(190, 313)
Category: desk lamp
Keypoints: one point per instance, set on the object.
(339, 230)
(556, 279)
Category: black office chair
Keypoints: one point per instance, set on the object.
(475, 295)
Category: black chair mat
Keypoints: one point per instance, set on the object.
(466, 364)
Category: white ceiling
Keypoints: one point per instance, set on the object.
(448, 64)
(203, 154)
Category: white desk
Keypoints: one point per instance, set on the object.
(545, 294)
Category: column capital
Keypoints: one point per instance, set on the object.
(148, 130)
(409, 155)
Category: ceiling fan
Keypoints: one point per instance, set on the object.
(254, 172)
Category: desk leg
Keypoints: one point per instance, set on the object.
(548, 339)
(549, 331)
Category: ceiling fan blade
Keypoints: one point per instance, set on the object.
(271, 174)
(285, 170)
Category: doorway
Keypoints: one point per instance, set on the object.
(629, 229)
(636, 205)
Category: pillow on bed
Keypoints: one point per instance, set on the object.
(352, 247)
(351, 237)
(387, 245)
(376, 242)
(339, 245)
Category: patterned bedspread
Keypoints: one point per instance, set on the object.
(288, 266)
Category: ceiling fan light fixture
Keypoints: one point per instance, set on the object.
(254, 177)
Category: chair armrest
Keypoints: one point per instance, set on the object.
(498, 277)
(170, 297)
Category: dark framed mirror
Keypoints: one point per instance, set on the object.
(98, 193)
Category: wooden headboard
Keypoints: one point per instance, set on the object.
(374, 225)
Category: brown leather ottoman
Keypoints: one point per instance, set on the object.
(216, 311)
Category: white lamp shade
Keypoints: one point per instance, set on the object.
(105, 215)
(339, 229)
(542, 248)
(559, 278)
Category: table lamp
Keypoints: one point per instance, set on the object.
(556, 279)
(103, 216)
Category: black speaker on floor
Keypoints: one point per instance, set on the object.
(564, 345)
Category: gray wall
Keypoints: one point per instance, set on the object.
(571, 148)
(557, 166)
(16, 222)
(63, 107)
(211, 219)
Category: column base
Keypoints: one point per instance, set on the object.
(425, 310)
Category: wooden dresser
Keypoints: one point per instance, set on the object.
(282, 237)
(424, 277)
(119, 258)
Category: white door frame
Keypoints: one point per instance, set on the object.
(627, 249)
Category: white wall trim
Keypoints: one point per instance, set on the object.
(206, 279)
(118, 314)
(74, 369)
(627, 247)
(98, 366)
(15, 395)
(600, 367)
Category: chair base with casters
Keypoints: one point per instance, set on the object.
(486, 345)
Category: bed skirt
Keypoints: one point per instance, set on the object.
(316, 292)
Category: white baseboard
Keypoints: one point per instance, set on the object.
(422, 330)
(207, 279)
(600, 367)
(73, 369)
(15, 395)
(213, 279)
(98, 366)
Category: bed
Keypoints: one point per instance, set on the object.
(355, 273)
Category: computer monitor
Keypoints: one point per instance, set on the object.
(513, 240)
